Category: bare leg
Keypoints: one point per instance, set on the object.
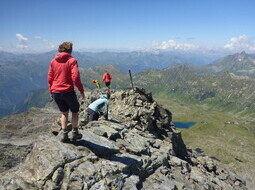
(75, 134)
(64, 120)
(75, 117)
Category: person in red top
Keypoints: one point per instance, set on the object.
(107, 79)
(62, 75)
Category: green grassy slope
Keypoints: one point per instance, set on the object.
(226, 92)
(222, 134)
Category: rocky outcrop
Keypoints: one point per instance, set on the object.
(137, 148)
(18, 132)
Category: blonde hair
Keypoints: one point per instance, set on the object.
(66, 47)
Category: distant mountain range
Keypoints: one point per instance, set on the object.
(241, 64)
(136, 61)
(18, 76)
(226, 90)
(22, 75)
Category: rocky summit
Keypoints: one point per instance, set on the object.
(137, 148)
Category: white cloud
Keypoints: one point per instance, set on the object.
(172, 45)
(22, 41)
(21, 38)
(240, 43)
(47, 42)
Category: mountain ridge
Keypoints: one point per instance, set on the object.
(223, 90)
(20, 80)
(23, 73)
(241, 64)
(130, 155)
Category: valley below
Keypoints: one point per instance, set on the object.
(225, 136)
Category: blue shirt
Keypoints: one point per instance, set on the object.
(99, 103)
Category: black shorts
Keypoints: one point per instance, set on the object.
(93, 116)
(66, 101)
(107, 84)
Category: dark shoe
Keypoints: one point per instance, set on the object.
(63, 136)
(106, 116)
(76, 136)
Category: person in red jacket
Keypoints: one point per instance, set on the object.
(107, 79)
(62, 75)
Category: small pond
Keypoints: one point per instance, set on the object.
(184, 125)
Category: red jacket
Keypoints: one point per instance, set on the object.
(107, 77)
(63, 74)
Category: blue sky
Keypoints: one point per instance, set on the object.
(184, 25)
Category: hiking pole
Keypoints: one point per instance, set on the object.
(130, 75)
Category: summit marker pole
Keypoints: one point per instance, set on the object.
(131, 80)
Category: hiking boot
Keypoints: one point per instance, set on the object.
(63, 136)
(76, 136)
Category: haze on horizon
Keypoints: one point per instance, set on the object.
(196, 25)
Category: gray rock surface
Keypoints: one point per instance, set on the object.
(136, 148)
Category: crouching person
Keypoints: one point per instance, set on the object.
(95, 108)
(62, 76)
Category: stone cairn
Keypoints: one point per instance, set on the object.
(137, 148)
